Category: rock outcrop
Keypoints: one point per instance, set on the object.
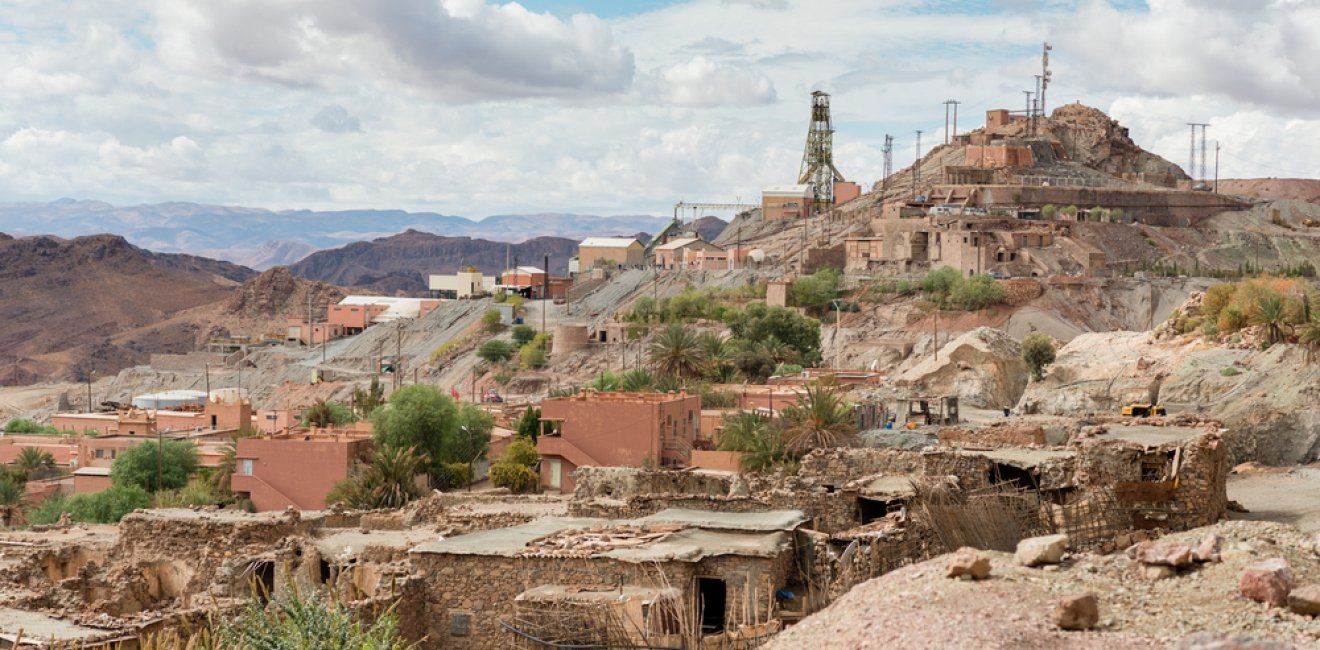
(983, 367)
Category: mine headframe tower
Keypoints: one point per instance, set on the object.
(818, 169)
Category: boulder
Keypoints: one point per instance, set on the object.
(1267, 581)
(969, 562)
(1208, 549)
(1158, 571)
(1077, 612)
(1164, 554)
(1305, 600)
(1035, 551)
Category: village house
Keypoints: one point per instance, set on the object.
(787, 202)
(677, 578)
(295, 470)
(611, 252)
(615, 429)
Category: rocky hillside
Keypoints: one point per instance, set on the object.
(1273, 189)
(277, 293)
(1091, 138)
(64, 300)
(412, 255)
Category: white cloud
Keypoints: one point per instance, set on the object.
(462, 50)
(475, 107)
(701, 81)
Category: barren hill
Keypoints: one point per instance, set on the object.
(420, 253)
(1274, 189)
(65, 299)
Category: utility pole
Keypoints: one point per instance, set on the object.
(947, 105)
(89, 392)
(1216, 166)
(545, 289)
(838, 347)
(1203, 151)
(1028, 94)
(955, 116)
(398, 353)
(916, 166)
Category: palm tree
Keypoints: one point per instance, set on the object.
(11, 498)
(676, 352)
(31, 461)
(319, 414)
(718, 354)
(767, 451)
(1272, 313)
(1310, 339)
(742, 429)
(821, 418)
(637, 380)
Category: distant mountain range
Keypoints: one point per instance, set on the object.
(260, 239)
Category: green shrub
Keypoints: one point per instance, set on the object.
(155, 465)
(815, 292)
(1037, 352)
(941, 280)
(308, 621)
(521, 452)
(532, 356)
(193, 494)
(19, 425)
(1049, 211)
(492, 322)
(522, 334)
(977, 292)
(518, 479)
(495, 351)
(452, 475)
(105, 507)
(1230, 371)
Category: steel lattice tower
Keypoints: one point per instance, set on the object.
(818, 169)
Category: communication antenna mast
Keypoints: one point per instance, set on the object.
(818, 169)
(1045, 74)
(916, 165)
(889, 162)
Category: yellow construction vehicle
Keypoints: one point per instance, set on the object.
(1143, 410)
(1310, 223)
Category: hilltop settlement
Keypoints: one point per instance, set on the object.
(1041, 388)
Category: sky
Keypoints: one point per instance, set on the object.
(482, 107)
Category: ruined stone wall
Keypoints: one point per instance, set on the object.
(468, 595)
(624, 482)
(1182, 485)
(828, 511)
(1001, 435)
(838, 466)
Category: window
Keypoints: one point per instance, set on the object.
(460, 623)
(100, 453)
(245, 467)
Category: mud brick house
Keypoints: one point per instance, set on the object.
(677, 578)
(615, 430)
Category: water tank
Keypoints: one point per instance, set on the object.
(569, 337)
(757, 255)
(170, 399)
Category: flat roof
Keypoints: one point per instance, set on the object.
(1020, 457)
(92, 471)
(690, 544)
(786, 190)
(678, 243)
(586, 594)
(608, 242)
(896, 486)
(1151, 436)
(39, 630)
(750, 521)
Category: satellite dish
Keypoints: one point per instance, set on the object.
(757, 255)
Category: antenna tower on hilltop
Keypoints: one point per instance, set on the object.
(1045, 75)
(818, 169)
(888, 150)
